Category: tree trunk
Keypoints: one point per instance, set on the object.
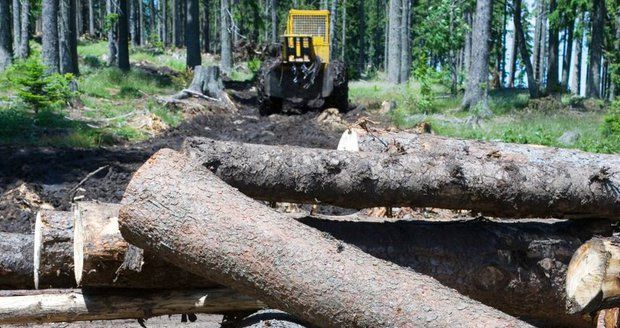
(71, 305)
(343, 28)
(532, 85)
(575, 85)
(405, 58)
(206, 35)
(123, 35)
(362, 44)
(537, 42)
(176, 23)
(23, 51)
(103, 258)
(553, 53)
(53, 250)
(468, 46)
(273, 9)
(513, 60)
(568, 54)
(50, 52)
(91, 18)
(543, 45)
(596, 48)
(237, 244)
(152, 16)
(478, 80)
(192, 38)
(67, 34)
(333, 42)
(226, 60)
(502, 180)
(16, 27)
(6, 47)
(134, 23)
(394, 41)
(161, 21)
(591, 280)
(112, 32)
(16, 260)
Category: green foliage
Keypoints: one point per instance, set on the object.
(110, 21)
(36, 88)
(611, 121)
(254, 65)
(422, 73)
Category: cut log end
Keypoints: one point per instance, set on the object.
(78, 245)
(591, 279)
(38, 240)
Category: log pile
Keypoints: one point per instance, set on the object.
(192, 235)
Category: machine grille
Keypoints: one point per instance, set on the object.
(310, 25)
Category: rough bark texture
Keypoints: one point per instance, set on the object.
(596, 48)
(394, 41)
(192, 38)
(53, 250)
(226, 60)
(568, 53)
(134, 23)
(123, 35)
(112, 33)
(532, 85)
(405, 58)
(274, 20)
(203, 225)
(16, 261)
(206, 26)
(512, 64)
(575, 86)
(91, 18)
(67, 37)
(16, 26)
(104, 259)
(50, 52)
(85, 305)
(23, 51)
(495, 179)
(478, 79)
(177, 30)
(6, 47)
(553, 56)
(592, 278)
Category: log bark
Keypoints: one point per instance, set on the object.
(85, 305)
(592, 277)
(203, 225)
(495, 179)
(16, 260)
(53, 250)
(104, 259)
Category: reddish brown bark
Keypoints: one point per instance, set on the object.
(495, 179)
(104, 259)
(53, 250)
(183, 213)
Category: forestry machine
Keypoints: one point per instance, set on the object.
(303, 72)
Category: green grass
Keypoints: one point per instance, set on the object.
(511, 122)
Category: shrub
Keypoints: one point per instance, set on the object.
(611, 121)
(36, 88)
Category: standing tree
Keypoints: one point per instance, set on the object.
(405, 37)
(152, 16)
(50, 52)
(123, 35)
(575, 81)
(192, 37)
(207, 26)
(512, 64)
(596, 48)
(273, 10)
(478, 81)
(554, 50)
(394, 41)
(6, 48)
(532, 85)
(23, 51)
(134, 22)
(332, 29)
(226, 60)
(91, 18)
(176, 23)
(111, 21)
(67, 35)
(16, 28)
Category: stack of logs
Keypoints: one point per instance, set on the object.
(193, 234)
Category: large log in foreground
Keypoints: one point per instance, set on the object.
(593, 277)
(18, 307)
(180, 211)
(535, 182)
(104, 259)
(16, 268)
(53, 250)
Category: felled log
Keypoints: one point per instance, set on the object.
(189, 217)
(104, 259)
(541, 182)
(53, 250)
(16, 260)
(592, 280)
(18, 307)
